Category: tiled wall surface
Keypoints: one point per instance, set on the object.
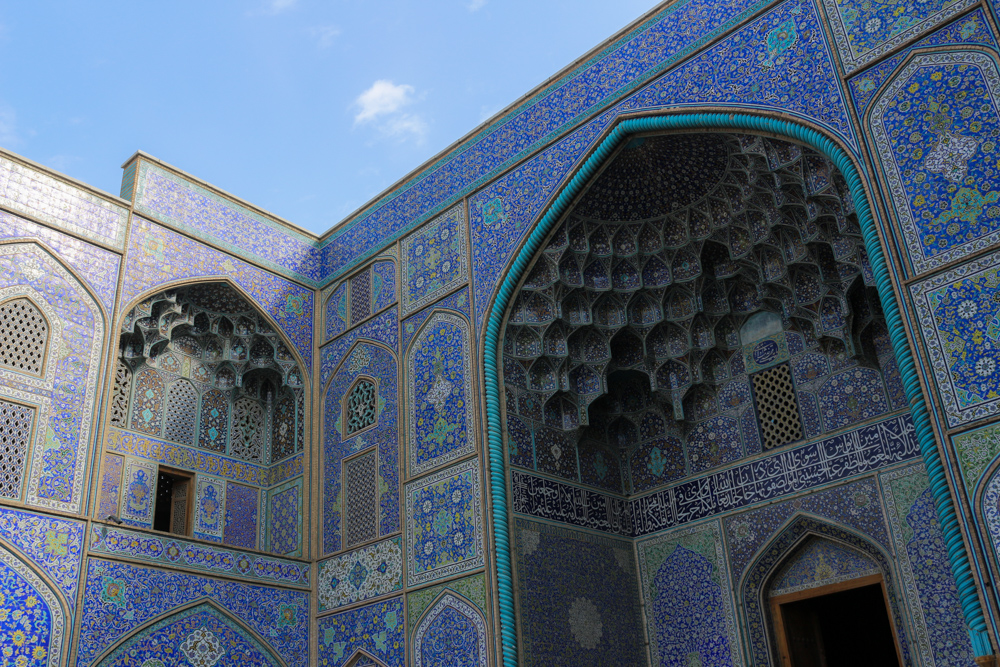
(390, 497)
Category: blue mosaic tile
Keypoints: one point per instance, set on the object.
(372, 361)
(209, 511)
(439, 391)
(444, 527)
(54, 545)
(863, 31)
(972, 29)
(957, 315)
(434, 260)
(579, 598)
(242, 504)
(65, 395)
(931, 594)
(376, 630)
(336, 312)
(459, 301)
(855, 505)
(935, 128)
(200, 636)
(284, 519)
(452, 632)
(383, 284)
(572, 505)
(180, 553)
(851, 397)
(383, 328)
(158, 256)
(57, 202)
(685, 583)
(32, 625)
(820, 563)
(99, 267)
(172, 199)
(121, 597)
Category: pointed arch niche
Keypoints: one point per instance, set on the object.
(811, 557)
(204, 635)
(451, 630)
(36, 633)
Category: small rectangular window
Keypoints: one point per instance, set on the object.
(777, 407)
(173, 502)
(361, 491)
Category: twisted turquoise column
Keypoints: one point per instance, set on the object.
(960, 566)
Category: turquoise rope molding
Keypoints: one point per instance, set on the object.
(960, 565)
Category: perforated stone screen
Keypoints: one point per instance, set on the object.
(23, 334)
(361, 515)
(777, 407)
(15, 431)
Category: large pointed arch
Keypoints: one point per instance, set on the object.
(692, 122)
(204, 633)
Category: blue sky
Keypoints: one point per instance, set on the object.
(305, 108)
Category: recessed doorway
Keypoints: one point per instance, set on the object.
(840, 625)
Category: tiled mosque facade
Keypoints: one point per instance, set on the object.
(711, 319)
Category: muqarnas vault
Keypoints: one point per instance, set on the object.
(689, 357)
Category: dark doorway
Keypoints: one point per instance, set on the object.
(173, 500)
(834, 627)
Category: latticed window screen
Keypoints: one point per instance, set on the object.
(23, 334)
(361, 296)
(248, 430)
(360, 487)
(181, 413)
(15, 431)
(362, 406)
(777, 407)
(119, 401)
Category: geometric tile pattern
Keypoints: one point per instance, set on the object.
(111, 484)
(209, 512)
(179, 553)
(371, 571)
(439, 366)
(201, 634)
(579, 599)
(453, 632)
(121, 597)
(383, 328)
(375, 629)
(15, 434)
(284, 519)
(976, 450)
(240, 529)
(471, 588)
(456, 301)
(957, 314)
(444, 529)
(941, 636)
(684, 580)
(434, 260)
(139, 493)
(939, 164)
(863, 31)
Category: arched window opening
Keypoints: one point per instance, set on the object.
(200, 366)
(24, 335)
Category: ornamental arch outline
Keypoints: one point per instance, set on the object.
(210, 605)
(694, 120)
(26, 569)
(449, 598)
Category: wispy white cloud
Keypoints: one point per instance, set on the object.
(278, 6)
(476, 5)
(382, 107)
(383, 98)
(325, 35)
